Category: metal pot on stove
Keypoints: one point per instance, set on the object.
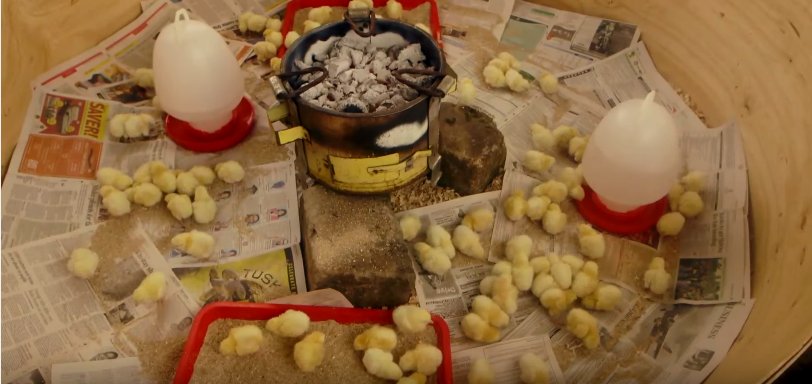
(350, 149)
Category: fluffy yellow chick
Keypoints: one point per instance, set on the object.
(502, 268)
(138, 125)
(542, 137)
(489, 311)
(117, 125)
(466, 91)
(479, 219)
(554, 189)
(576, 147)
(505, 294)
(142, 173)
(196, 243)
(438, 237)
(180, 206)
(605, 298)
(144, 77)
(433, 260)
(376, 336)
(83, 263)
(147, 194)
(321, 14)
(537, 161)
(563, 134)
(241, 341)
(499, 63)
(690, 204)
(424, 358)
(656, 279)
(476, 328)
(292, 323)
(381, 364)
(162, 177)
(508, 58)
(575, 262)
(256, 23)
(570, 176)
(515, 206)
(555, 300)
(522, 273)
(540, 264)
(186, 182)
(411, 318)
(291, 38)
(586, 280)
(274, 37)
(481, 372)
(467, 242)
(242, 21)
(518, 245)
(410, 227)
(516, 82)
(534, 369)
(670, 224)
(394, 10)
(308, 353)
(114, 201)
(204, 175)
(554, 220)
(591, 242)
(577, 192)
(537, 207)
(265, 50)
(204, 208)
(694, 181)
(273, 24)
(151, 289)
(548, 83)
(541, 283)
(584, 326)
(276, 65)
(674, 194)
(113, 177)
(414, 378)
(486, 285)
(494, 76)
(562, 274)
(310, 25)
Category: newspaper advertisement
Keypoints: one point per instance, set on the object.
(126, 370)
(52, 316)
(504, 356)
(460, 15)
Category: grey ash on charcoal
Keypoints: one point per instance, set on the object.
(360, 78)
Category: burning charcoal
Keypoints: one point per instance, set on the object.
(373, 97)
(361, 75)
(314, 93)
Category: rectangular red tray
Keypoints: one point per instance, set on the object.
(295, 5)
(250, 311)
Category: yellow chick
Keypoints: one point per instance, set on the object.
(186, 182)
(144, 77)
(275, 38)
(162, 177)
(256, 23)
(83, 263)
(670, 224)
(151, 289)
(308, 353)
(414, 378)
(674, 194)
(505, 294)
(554, 189)
(467, 242)
(481, 372)
(562, 274)
(292, 323)
(180, 206)
(656, 279)
(411, 318)
(515, 206)
(489, 311)
(570, 176)
(584, 326)
(147, 194)
(276, 65)
(508, 58)
(241, 341)
(586, 280)
(694, 181)
(410, 227)
(310, 25)
(690, 204)
(113, 177)
(381, 364)
(230, 171)
(542, 137)
(242, 21)
(541, 283)
(605, 298)
(438, 237)
(142, 173)
(563, 134)
(499, 63)
(494, 76)
(522, 273)
(204, 209)
(117, 125)
(486, 285)
(555, 300)
(554, 221)
(537, 161)
(516, 82)
(114, 201)
(394, 10)
(575, 262)
(196, 243)
(548, 83)
(540, 264)
(138, 125)
(265, 50)
(321, 14)
(479, 219)
(466, 90)
(591, 242)
(204, 175)
(476, 328)
(577, 192)
(424, 358)
(383, 338)
(502, 268)
(518, 245)
(537, 207)
(291, 38)
(534, 369)
(576, 147)
(433, 260)
(274, 24)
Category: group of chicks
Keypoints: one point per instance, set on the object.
(685, 202)
(83, 263)
(440, 247)
(376, 343)
(503, 71)
(544, 203)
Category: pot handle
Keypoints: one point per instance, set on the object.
(431, 91)
(354, 16)
(281, 91)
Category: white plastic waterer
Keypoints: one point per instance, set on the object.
(199, 84)
(631, 161)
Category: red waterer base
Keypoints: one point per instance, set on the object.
(240, 125)
(627, 223)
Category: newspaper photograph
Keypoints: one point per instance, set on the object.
(51, 315)
(503, 358)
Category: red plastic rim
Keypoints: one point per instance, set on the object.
(231, 134)
(626, 223)
(250, 311)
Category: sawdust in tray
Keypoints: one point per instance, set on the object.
(274, 361)
(159, 359)
(118, 273)
(419, 14)
(419, 194)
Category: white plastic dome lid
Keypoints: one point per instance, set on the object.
(197, 78)
(633, 157)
